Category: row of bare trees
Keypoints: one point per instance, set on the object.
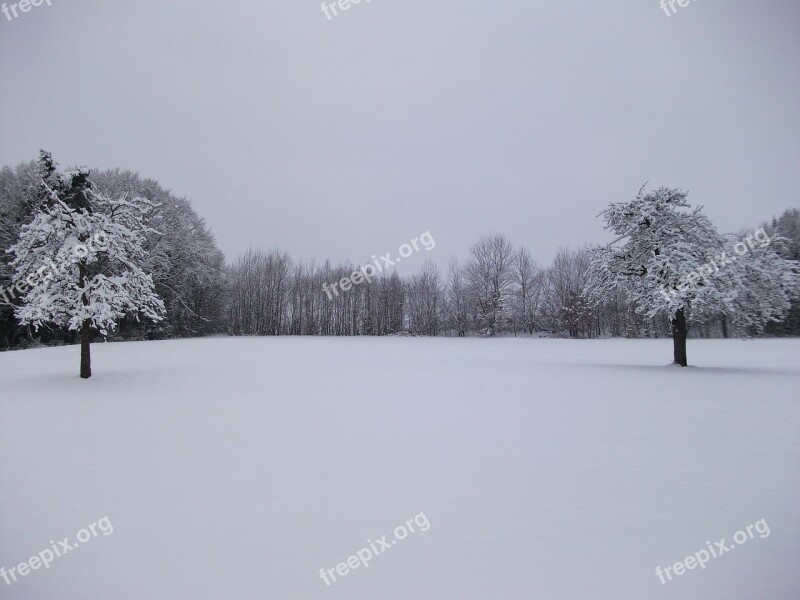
(500, 289)
(272, 295)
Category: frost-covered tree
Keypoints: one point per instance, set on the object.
(766, 282)
(17, 197)
(669, 260)
(787, 227)
(78, 262)
(490, 283)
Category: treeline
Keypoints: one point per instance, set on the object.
(498, 289)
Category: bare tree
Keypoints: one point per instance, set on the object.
(456, 300)
(528, 284)
(425, 301)
(490, 283)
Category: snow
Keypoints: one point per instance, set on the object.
(238, 468)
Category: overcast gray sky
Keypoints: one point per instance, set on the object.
(344, 138)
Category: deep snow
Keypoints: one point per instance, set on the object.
(237, 468)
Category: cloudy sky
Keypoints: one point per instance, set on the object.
(346, 137)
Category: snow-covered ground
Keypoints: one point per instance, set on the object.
(553, 469)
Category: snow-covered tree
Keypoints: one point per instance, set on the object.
(78, 262)
(659, 240)
(669, 260)
(766, 282)
(787, 228)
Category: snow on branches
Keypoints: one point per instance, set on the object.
(668, 257)
(96, 283)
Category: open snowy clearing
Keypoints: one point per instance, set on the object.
(238, 468)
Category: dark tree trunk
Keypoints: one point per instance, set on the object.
(86, 332)
(724, 326)
(86, 356)
(679, 338)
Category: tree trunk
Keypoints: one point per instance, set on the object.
(86, 357)
(679, 338)
(724, 319)
(86, 331)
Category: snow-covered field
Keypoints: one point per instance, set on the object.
(553, 469)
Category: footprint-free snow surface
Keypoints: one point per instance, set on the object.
(495, 468)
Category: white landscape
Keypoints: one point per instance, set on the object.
(399, 300)
(240, 467)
